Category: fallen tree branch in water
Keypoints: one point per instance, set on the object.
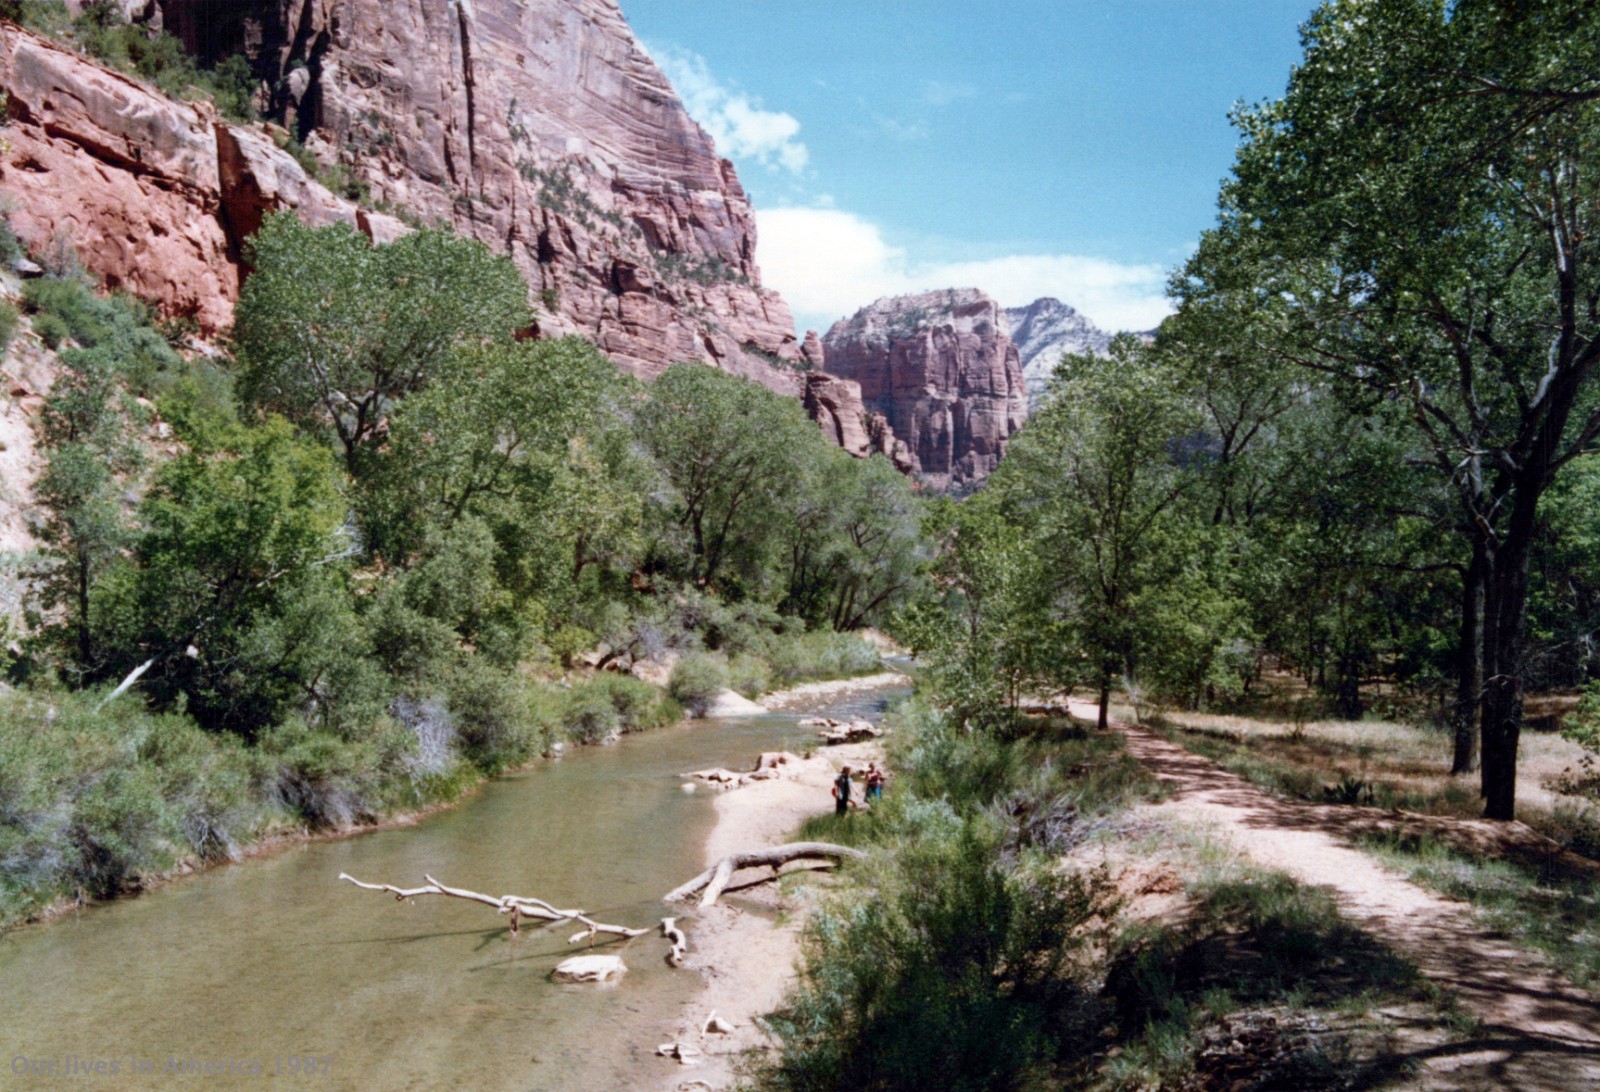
(517, 906)
(680, 943)
(715, 878)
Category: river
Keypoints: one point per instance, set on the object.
(274, 971)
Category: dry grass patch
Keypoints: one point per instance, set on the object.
(1282, 741)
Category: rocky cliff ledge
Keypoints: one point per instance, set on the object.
(941, 368)
(536, 126)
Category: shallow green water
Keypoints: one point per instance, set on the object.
(276, 965)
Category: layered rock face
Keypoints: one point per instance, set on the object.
(835, 405)
(154, 196)
(1044, 332)
(536, 126)
(942, 370)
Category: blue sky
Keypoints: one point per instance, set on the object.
(1069, 148)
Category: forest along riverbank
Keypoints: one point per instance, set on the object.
(266, 964)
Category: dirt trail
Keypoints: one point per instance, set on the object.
(1538, 1030)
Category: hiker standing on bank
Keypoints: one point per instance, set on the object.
(841, 792)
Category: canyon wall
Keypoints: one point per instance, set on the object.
(539, 127)
(942, 370)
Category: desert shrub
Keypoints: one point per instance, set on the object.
(749, 675)
(590, 716)
(639, 705)
(8, 324)
(117, 827)
(52, 330)
(119, 326)
(327, 782)
(11, 248)
(960, 975)
(206, 779)
(696, 680)
(822, 654)
(491, 714)
(93, 798)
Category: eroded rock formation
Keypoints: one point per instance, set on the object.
(835, 405)
(539, 127)
(942, 370)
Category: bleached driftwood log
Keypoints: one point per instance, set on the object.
(517, 906)
(680, 943)
(715, 878)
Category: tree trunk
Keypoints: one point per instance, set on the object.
(1469, 662)
(1504, 625)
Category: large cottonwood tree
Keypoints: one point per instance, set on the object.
(1419, 208)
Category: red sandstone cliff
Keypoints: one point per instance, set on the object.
(942, 370)
(537, 126)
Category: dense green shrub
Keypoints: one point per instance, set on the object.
(639, 706)
(119, 326)
(52, 330)
(8, 324)
(590, 717)
(327, 782)
(696, 679)
(959, 974)
(93, 798)
(821, 654)
(491, 711)
(749, 675)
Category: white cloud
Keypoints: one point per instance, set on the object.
(827, 263)
(741, 128)
(938, 93)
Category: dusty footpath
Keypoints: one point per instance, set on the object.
(748, 944)
(1537, 1031)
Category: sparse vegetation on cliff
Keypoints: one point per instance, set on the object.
(102, 31)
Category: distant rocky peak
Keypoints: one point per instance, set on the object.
(1045, 331)
(941, 369)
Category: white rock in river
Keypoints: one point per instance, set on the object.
(589, 968)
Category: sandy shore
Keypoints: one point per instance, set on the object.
(812, 693)
(747, 946)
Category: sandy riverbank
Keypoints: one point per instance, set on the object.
(809, 694)
(747, 946)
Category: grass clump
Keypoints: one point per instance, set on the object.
(1552, 912)
(1260, 953)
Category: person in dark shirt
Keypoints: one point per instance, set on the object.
(841, 792)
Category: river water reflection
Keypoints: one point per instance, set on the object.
(276, 966)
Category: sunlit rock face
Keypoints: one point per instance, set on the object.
(539, 127)
(1044, 332)
(942, 369)
(835, 405)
